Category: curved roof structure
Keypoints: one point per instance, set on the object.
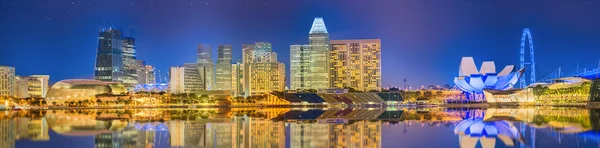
(82, 89)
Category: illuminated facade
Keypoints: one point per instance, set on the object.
(473, 81)
(206, 66)
(360, 134)
(355, 64)
(145, 73)
(299, 66)
(7, 133)
(223, 71)
(319, 54)
(35, 86)
(261, 73)
(237, 78)
(82, 89)
(130, 65)
(185, 79)
(7, 81)
(109, 57)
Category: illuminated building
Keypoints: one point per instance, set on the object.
(185, 79)
(299, 66)
(7, 81)
(474, 130)
(206, 66)
(109, 57)
(237, 78)
(35, 86)
(219, 135)
(474, 81)
(355, 64)
(319, 54)
(261, 73)
(82, 89)
(223, 71)
(130, 65)
(309, 63)
(21, 87)
(145, 73)
(32, 129)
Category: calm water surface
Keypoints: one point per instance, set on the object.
(306, 128)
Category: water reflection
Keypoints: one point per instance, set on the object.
(302, 128)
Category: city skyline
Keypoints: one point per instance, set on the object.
(422, 46)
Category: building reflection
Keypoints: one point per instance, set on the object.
(302, 128)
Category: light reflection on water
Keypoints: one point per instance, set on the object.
(305, 128)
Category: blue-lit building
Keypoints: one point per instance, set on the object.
(474, 81)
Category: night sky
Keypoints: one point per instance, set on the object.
(422, 40)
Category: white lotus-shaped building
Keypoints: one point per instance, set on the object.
(472, 80)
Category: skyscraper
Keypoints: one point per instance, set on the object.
(145, 73)
(206, 65)
(299, 66)
(262, 73)
(109, 56)
(21, 87)
(237, 78)
(355, 64)
(185, 79)
(130, 64)
(7, 81)
(309, 63)
(223, 72)
(319, 54)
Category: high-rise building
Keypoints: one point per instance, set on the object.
(205, 63)
(109, 56)
(299, 66)
(310, 63)
(21, 87)
(319, 54)
(185, 79)
(355, 64)
(223, 70)
(237, 78)
(145, 73)
(7, 81)
(130, 65)
(261, 73)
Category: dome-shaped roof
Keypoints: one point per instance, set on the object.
(82, 89)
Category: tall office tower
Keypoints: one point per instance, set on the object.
(319, 54)
(185, 79)
(299, 66)
(206, 65)
(130, 64)
(355, 64)
(150, 74)
(21, 87)
(7, 81)
(141, 71)
(223, 72)
(237, 78)
(38, 85)
(262, 73)
(109, 56)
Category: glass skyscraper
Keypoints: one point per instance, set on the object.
(130, 65)
(319, 54)
(109, 56)
(206, 65)
(262, 73)
(299, 66)
(223, 70)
